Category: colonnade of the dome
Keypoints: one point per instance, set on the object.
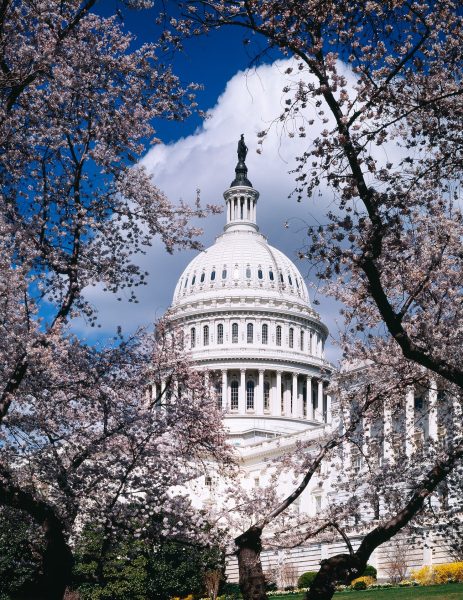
(268, 392)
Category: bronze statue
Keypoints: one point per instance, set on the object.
(242, 149)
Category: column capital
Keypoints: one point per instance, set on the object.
(261, 371)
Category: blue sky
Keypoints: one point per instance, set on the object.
(202, 154)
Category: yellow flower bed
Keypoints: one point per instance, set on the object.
(366, 578)
(446, 573)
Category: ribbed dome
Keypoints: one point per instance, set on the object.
(241, 261)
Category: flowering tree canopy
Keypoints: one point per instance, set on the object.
(79, 439)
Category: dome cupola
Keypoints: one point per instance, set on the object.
(241, 197)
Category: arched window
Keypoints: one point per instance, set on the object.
(236, 272)
(297, 283)
(234, 333)
(266, 395)
(302, 341)
(260, 274)
(291, 337)
(278, 335)
(220, 333)
(250, 331)
(234, 395)
(206, 335)
(203, 276)
(224, 273)
(281, 278)
(270, 275)
(265, 333)
(250, 395)
(248, 272)
(290, 280)
(193, 337)
(212, 275)
(193, 280)
(186, 282)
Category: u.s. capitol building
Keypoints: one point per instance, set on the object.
(246, 317)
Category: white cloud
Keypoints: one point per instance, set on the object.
(206, 160)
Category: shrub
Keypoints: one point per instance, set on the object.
(370, 571)
(359, 585)
(367, 580)
(271, 586)
(446, 573)
(231, 590)
(306, 579)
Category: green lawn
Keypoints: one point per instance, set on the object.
(451, 591)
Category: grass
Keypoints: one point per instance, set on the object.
(449, 591)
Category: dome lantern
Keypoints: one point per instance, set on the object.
(241, 197)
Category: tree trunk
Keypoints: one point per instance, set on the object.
(342, 568)
(252, 580)
(57, 562)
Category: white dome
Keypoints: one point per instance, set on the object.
(242, 309)
(241, 261)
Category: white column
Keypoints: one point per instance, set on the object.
(260, 394)
(387, 431)
(329, 416)
(319, 411)
(277, 397)
(409, 422)
(224, 390)
(286, 398)
(295, 411)
(432, 411)
(242, 393)
(366, 426)
(309, 399)
(346, 447)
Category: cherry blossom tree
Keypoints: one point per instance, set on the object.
(389, 156)
(80, 441)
